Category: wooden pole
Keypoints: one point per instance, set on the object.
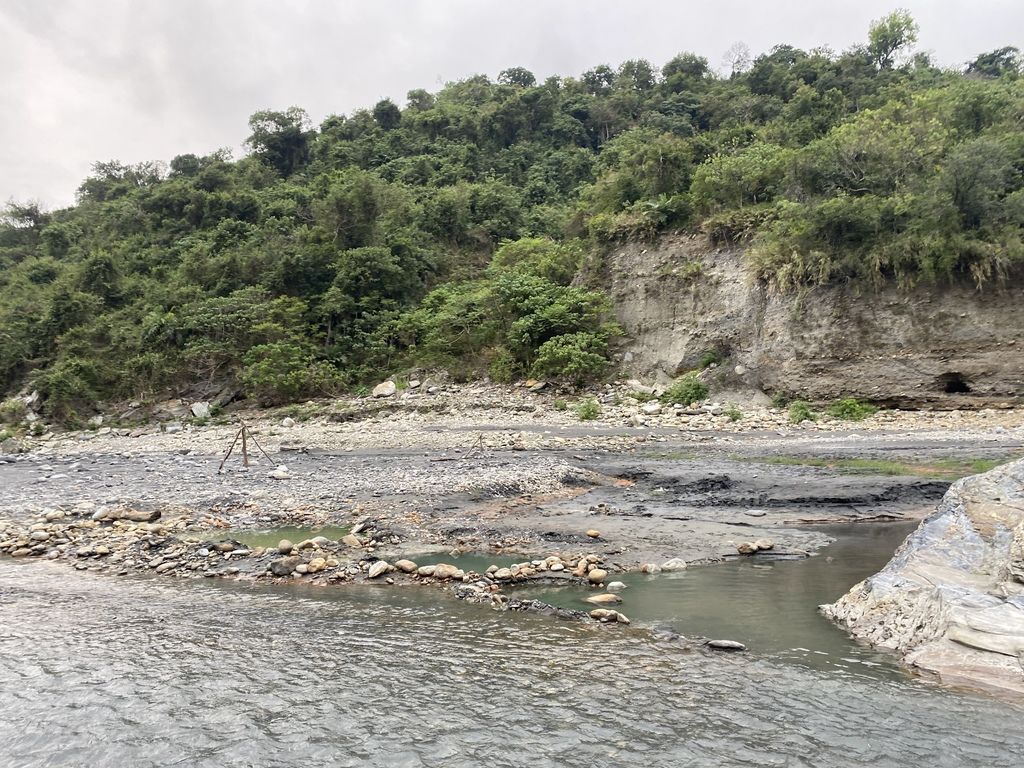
(227, 455)
(245, 446)
(260, 447)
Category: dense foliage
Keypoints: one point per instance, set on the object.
(451, 232)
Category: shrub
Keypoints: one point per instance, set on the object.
(750, 176)
(708, 359)
(588, 410)
(739, 224)
(733, 413)
(282, 371)
(686, 390)
(632, 224)
(13, 411)
(801, 411)
(503, 367)
(578, 357)
(561, 405)
(851, 409)
(66, 388)
(543, 257)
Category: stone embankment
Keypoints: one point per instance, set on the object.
(124, 540)
(951, 600)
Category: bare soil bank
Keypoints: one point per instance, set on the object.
(949, 345)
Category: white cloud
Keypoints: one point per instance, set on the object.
(87, 80)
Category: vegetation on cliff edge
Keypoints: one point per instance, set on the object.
(457, 231)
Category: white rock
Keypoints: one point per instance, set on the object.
(605, 599)
(281, 473)
(201, 410)
(288, 422)
(726, 645)
(675, 564)
(385, 389)
(379, 568)
(652, 408)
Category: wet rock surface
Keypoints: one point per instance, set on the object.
(667, 512)
(951, 600)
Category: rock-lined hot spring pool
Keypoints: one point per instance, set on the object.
(102, 671)
(768, 604)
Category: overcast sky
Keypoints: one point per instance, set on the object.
(132, 80)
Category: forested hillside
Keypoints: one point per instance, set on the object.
(459, 230)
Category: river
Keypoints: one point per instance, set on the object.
(105, 671)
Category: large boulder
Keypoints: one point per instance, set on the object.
(951, 600)
(285, 565)
(12, 445)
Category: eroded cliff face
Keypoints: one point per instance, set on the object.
(945, 345)
(951, 600)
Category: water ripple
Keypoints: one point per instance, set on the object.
(97, 671)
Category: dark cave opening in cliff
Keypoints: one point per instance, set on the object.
(954, 384)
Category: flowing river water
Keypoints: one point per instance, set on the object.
(106, 671)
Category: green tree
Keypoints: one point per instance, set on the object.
(890, 35)
(1006, 61)
(517, 76)
(280, 139)
(387, 114)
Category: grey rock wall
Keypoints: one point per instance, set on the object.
(950, 346)
(951, 600)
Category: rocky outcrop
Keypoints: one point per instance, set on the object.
(951, 600)
(680, 299)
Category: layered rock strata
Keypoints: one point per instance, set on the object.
(951, 600)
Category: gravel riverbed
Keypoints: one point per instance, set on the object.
(488, 470)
